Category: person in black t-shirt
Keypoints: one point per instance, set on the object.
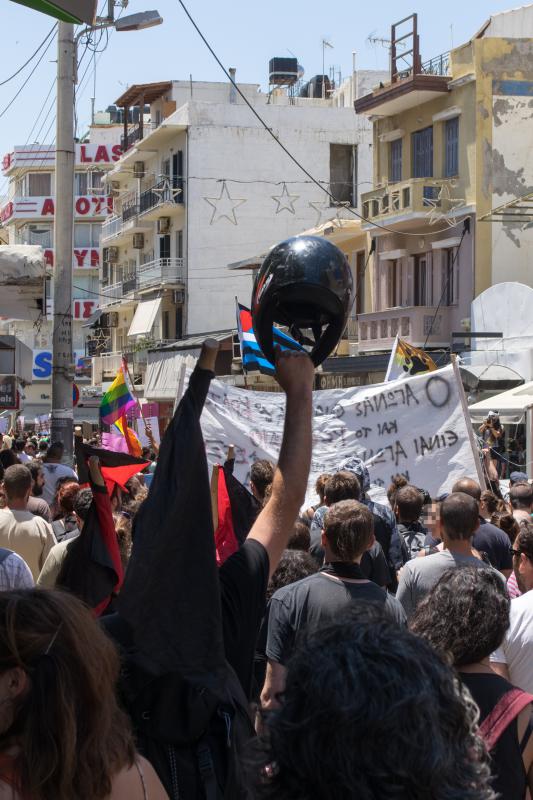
(345, 485)
(488, 538)
(326, 596)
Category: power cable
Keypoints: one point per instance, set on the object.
(23, 86)
(286, 150)
(50, 32)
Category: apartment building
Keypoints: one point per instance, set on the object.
(27, 217)
(452, 145)
(202, 185)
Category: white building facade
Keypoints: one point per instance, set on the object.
(204, 184)
(28, 218)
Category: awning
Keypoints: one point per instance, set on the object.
(144, 317)
(93, 319)
(485, 378)
(164, 373)
(195, 342)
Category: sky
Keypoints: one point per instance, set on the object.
(244, 33)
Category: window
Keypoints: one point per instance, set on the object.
(451, 147)
(81, 183)
(395, 167)
(39, 184)
(421, 280)
(164, 246)
(86, 234)
(179, 244)
(343, 174)
(449, 276)
(392, 284)
(423, 153)
(38, 234)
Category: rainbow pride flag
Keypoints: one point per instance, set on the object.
(117, 400)
(133, 444)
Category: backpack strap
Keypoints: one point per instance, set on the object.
(504, 712)
(207, 772)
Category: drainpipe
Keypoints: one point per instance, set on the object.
(232, 90)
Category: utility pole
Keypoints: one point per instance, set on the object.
(63, 368)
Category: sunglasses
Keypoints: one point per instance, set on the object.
(515, 552)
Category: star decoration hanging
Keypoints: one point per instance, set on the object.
(166, 192)
(100, 339)
(324, 211)
(224, 206)
(285, 200)
(444, 207)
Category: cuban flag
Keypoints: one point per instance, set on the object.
(252, 355)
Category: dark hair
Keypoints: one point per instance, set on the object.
(17, 481)
(261, 475)
(67, 498)
(349, 529)
(492, 503)
(8, 458)
(507, 523)
(398, 481)
(73, 736)
(469, 487)
(521, 496)
(82, 503)
(18, 445)
(409, 501)
(524, 540)
(300, 538)
(35, 467)
(459, 515)
(465, 616)
(320, 484)
(293, 566)
(359, 693)
(343, 485)
(55, 450)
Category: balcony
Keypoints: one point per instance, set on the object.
(117, 292)
(161, 272)
(378, 329)
(415, 199)
(409, 88)
(110, 294)
(164, 198)
(111, 227)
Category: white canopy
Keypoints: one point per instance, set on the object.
(144, 317)
(510, 405)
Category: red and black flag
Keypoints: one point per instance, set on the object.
(235, 513)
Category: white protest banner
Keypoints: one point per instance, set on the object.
(415, 426)
(4, 424)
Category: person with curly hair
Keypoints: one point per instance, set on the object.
(465, 619)
(62, 733)
(371, 712)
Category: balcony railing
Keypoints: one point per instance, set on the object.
(159, 272)
(135, 134)
(418, 195)
(111, 227)
(378, 329)
(163, 192)
(110, 294)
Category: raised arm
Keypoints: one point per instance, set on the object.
(273, 527)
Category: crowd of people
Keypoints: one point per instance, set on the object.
(352, 649)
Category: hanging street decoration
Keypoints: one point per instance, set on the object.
(285, 200)
(166, 192)
(224, 206)
(324, 210)
(442, 206)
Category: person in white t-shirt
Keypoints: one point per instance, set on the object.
(514, 658)
(53, 469)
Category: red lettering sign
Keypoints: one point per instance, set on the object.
(117, 152)
(83, 308)
(79, 255)
(49, 258)
(6, 161)
(102, 154)
(84, 158)
(83, 205)
(48, 207)
(95, 258)
(7, 212)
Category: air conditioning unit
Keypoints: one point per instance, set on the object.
(163, 225)
(138, 241)
(179, 297)
(138, 169)
(109, 320)
(112, 255)
(114, 188)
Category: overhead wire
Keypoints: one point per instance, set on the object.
(26, 80)
(30, 59)
(286, 150)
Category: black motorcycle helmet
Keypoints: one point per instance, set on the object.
(304, 283)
